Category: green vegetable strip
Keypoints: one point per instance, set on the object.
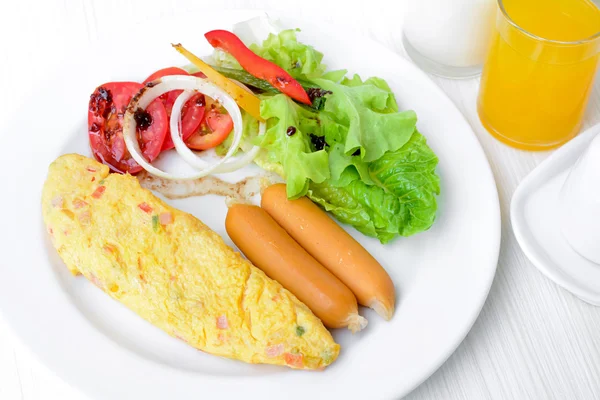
(252, 81)
(247, 79)
(155, 225)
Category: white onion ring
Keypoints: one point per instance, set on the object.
(234, 112)
(164, 85)
(192, 158)
(248, 157)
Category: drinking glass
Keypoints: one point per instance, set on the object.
(539, 71)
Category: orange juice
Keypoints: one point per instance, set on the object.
(539, 71)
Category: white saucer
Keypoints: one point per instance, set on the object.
(535, 221)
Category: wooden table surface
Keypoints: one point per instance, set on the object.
(533, 340)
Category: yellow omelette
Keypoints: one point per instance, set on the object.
(174, 271)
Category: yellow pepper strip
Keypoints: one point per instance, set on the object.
(249, 102)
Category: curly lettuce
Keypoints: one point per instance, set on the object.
(401, 200)
(300, 60)
(287, 142)
(358, 116)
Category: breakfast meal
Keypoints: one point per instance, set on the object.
(341, 146)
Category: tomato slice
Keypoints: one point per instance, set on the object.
(165, 72)
(192, 112)
(199, 74)
(151, 143)
(212, 131)
(105, 126)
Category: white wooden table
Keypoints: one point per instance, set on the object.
(533, 340)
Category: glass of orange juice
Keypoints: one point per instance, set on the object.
(539, 71)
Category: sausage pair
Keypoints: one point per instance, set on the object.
(297, 244)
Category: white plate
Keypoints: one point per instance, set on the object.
(443, 276)
(534, 218)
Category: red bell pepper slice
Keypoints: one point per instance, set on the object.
(257, 66)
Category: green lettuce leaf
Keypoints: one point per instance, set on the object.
(402, 201)
(335, 76)
(345, 169)
(299, 163)
(300, 60)
(369, 209)
(391, 105)
(250, 130)
(362, 117)
(409, 174)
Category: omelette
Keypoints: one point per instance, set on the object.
(174, 271)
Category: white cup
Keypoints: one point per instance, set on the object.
(580, 203)
(449, 37)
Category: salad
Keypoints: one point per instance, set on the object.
(339, 139)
